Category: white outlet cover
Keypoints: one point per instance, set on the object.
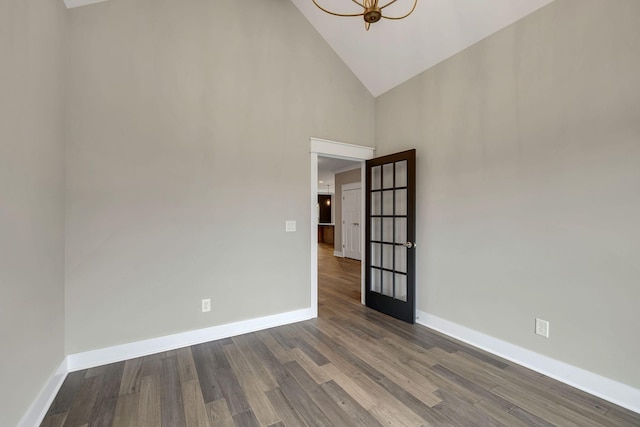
(206, 305)
(542, 328)
(290, 226)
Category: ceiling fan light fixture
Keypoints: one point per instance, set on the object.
(371, 11)
(372, 15)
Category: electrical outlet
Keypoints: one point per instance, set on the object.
(206, 305)
(542, 328)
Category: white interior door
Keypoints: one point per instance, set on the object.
(351, 217)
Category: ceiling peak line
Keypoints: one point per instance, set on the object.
(77, 3)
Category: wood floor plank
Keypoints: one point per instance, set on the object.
(357, 415)
(485, 357)
(476, 389)
(233, 394)
(305, 407)
(310, 366)
(387, 368)
(474, 372)
(394, 416)
(529, 418)
(286, 411)
(186, 365)
(266, 358)
(150, 403)
(390, 398)
(385, 401)
(229, 386)
(338, 352)
(132, 376)
(281, 352)
(560, 395)
(282, 336)
(318, 395)
(83, 404)
(358, 393)
(107, 398)
(258, 401)
(254, 363)
(443, 382)
(503, 416)
(462, 413)
(219, 414)
(246, 419)
(236, 359)
(126, 414)
(253, 387)
(96, 371)
(246, 370)
(172, 406)
(400, 346)
(411, 402)
(206, 374)
(622, 416)
(565, 395)
(311, 352)
(194, 410)
(68, 391)
(55, 420)
(152, 366)
(360, 329)
(542, 407)
(394, 365)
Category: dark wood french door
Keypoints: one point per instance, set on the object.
(390, 235)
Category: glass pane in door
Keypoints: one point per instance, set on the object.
(376, 177)
(401, 174)
(401, 287)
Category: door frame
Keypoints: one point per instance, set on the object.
(349, 187)
(324, 147)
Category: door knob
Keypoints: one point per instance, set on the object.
(410, 245)
(356, 223)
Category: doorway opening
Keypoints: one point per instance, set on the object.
(339, 232)
(354, 154)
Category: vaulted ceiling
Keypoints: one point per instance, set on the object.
(392, 52)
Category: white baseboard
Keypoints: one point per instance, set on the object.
(338, 254)
(39, 407)
(597, 385)
(103, 356)
(75, 362)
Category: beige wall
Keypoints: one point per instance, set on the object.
(188, 149)
(341, 179)
(32, 58)
(528, 183)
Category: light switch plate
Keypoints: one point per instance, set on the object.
(290, 226)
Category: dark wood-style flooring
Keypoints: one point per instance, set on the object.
(350, 367)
